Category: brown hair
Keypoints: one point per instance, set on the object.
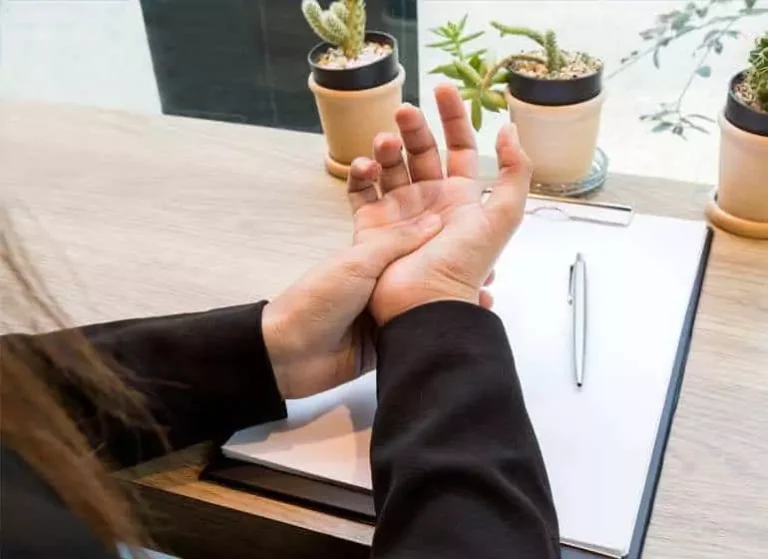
(34, 422)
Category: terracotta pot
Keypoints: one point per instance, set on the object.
(740, 204)
(560, 139)
(356, 104)
(351, 119)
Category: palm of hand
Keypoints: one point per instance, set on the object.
(392, 190)
(445, 264)
(419, 237)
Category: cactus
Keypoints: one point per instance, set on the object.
(342, 24)
(340, 10)
(757, 74)
(548, 41)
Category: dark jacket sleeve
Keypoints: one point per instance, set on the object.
(204, 375)
(457, 471)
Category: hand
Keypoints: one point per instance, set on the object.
(458, 261)
(314, 332)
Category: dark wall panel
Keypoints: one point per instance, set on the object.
(245, 60)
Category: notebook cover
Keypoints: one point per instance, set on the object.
(358, 505)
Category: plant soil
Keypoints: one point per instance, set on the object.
(577, 65)
(746, 95)
(334, 58)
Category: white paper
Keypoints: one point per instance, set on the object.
(597, 441)
(327, 436)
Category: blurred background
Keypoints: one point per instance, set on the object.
(232, 60)
(668, 62)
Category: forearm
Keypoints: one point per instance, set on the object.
(202, 376)
(457, 470)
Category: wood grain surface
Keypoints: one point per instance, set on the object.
(128, 215)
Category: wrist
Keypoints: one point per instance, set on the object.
(387, 308)
(275, 324)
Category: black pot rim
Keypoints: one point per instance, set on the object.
(557, 92)
(371, 75)
(740, 115)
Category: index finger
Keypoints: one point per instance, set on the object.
(459, 135)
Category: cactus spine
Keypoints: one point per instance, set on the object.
(342, 24)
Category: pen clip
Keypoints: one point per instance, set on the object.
(570, 285)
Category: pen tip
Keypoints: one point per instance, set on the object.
(578, 384)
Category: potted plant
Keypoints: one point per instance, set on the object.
(740, 204)
(356, 79)
(554, 97)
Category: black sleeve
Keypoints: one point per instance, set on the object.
(204, 375)
(457, 471)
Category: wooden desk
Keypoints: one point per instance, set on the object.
(137, 215)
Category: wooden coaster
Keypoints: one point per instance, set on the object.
(732, 224)
(338, 170)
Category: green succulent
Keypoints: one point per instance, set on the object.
(342, 24)
(481, 77)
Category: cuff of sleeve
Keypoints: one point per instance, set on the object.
(261, 379)
(247, 394)
(452, 329)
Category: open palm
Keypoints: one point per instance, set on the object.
(456, 263)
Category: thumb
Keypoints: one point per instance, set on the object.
(374, 254)
(507, 201)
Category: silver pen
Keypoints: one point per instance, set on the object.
(577, 299)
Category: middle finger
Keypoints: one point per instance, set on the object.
(423, 157)
(459, 136)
